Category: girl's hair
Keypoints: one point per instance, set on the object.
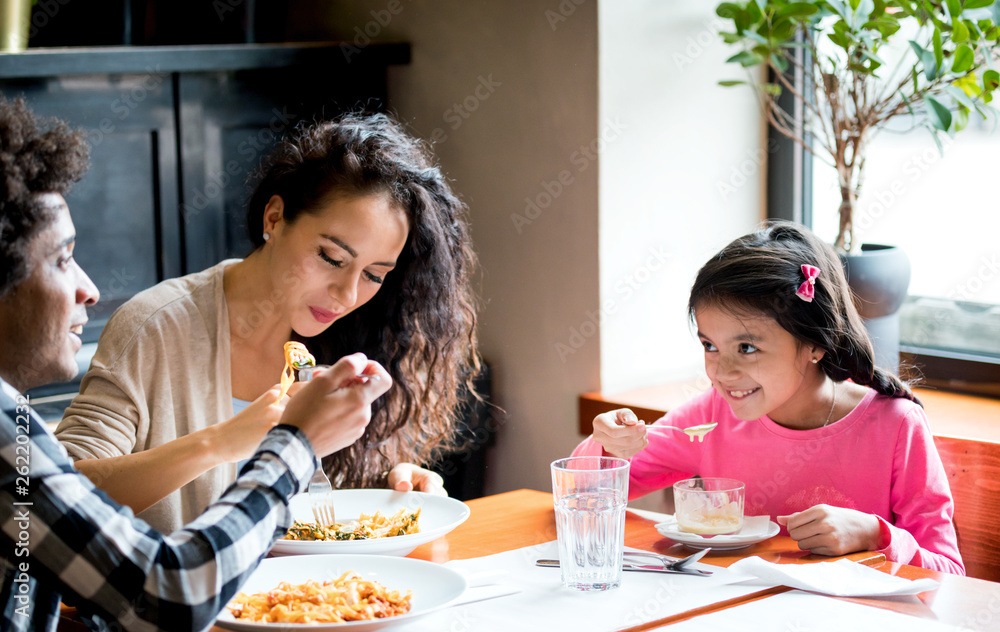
(760, 273)
(421, 324)
(37, 155)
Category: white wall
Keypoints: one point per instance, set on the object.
(669, 137)
(684, 179)
(538, 278)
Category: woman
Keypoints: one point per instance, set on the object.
(360, 245)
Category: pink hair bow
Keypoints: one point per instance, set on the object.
(807, 290)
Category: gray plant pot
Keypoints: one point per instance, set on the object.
(879, 276)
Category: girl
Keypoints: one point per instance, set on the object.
(837, 451)
(360, 245)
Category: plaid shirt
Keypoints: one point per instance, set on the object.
(62, 539)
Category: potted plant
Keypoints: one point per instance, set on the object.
(940, 73)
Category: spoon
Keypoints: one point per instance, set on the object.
(669, 563)
(693, 431)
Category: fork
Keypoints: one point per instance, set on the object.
(672, 564)
(320, 496)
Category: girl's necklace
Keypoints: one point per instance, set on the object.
(829, 415)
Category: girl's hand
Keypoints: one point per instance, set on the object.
(237, 438)
(620, 433)
(407, 477)
(827, 530)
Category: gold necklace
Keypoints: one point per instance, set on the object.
(829, 415)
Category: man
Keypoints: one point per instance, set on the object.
(61, 539)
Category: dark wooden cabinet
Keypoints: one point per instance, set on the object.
(175, 132)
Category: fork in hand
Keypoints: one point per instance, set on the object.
(321, 497)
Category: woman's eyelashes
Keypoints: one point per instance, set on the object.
(340, 264)
(325, 257)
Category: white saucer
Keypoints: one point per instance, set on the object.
(728, 542)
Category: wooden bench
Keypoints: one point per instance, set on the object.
(966, 431)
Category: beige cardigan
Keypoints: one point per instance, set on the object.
(161, 371)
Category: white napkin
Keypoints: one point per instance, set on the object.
(753, 527)
(842, 578)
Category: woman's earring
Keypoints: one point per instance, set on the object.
(267, 236)
(815, 360)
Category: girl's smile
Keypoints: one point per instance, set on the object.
(761, 369)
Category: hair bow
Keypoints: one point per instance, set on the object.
(807, 290)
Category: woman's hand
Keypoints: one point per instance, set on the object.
(827, 530)
(620, 433)
(236, 439)
(334, 408)
(407, 477)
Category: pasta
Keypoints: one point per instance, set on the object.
(296, 357)
(347, 598)
(368, 527)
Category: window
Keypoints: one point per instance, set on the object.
(936, 204)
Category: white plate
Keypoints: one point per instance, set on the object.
(433, 586)
(729, 542)
(438, 516)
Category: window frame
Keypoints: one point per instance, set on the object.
(953, 370)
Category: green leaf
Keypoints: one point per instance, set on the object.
(727, 10)
(961, 118)
(796, 10)
(885, 26)
(960, 97)
(954, 9)
(939, 115)
(838, 8)
(773, 89)
(938, 49)
(840, 40)
(927, 59)
(978, 4)
(959, 32)
(736, 82)
(991, 80)
(968, 85)
(746, 59)
(937, 141)
(731, 38)
(779, 62)
(962, 60)
(762, 5)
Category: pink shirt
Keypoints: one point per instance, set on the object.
(879, 459)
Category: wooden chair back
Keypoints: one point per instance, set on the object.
(973, 469)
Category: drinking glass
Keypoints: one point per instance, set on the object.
(590, 494)
(709, 506)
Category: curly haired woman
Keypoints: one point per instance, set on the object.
(360, 245)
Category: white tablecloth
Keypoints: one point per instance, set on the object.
(544, 604)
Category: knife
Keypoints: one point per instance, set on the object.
(636, 567)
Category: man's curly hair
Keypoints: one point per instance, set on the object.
(37, 155)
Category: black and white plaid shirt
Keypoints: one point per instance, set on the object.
(62, 539)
